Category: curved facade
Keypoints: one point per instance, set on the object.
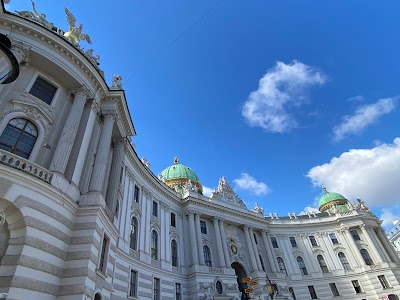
(82, 217)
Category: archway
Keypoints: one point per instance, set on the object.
(393, 297)
(240, 273)
(97, 296)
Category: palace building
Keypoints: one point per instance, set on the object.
(82, 217)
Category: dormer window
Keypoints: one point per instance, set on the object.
(43, 90)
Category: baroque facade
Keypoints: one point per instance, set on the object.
(82, 217)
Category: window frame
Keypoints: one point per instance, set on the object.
(133, 234)
(154, 245)
(103, 257)
(322, 264)
(203, 227)
(293, 241)
(384, 282)
(174, 253)
(207, 256)
(136, 193)
(178, 291)
(133, 283)
(302, 265)
(281, 263)
(155, 209)
(312, 291)
(357, 286)
(313, 240)
(173, 220)
(156, 288)
(344, 261)
(366, 257)
(334, 289)
(355, 235)
(47, 79)
(333, 238)
(274, 242)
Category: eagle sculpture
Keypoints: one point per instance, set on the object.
(75, 33)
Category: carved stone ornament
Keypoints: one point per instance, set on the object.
(2, 218)
(117, 81)
(226, 194)
(258, 210)
(36, 17)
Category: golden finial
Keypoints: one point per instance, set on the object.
(324, 188)
(176, 160)
(75, 33)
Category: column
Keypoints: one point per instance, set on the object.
(378, 244)
(193, 242)
(371, 244)
(332, 258)
(114, 182)
(103, 152)
(219, 243)
(224, 244)
(182, 254)
(67, 138)
(80, 162)
(268, 249)
(352, 247)
(128, 206)
(125, 211)
(389, 248)
(256, 255)
(144, 220)
(250, 247)
(308, 255)
(199, 240)
(166, 224)
(162, 232)
(285, 246)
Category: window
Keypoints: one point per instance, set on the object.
(333, 238)
(356, 286)
(367, 258)
(203, 227)
(218, 287)
(19, 137)
(313, 241)
(281, 265)
(207, 256)
(354, 234)
(154, 245)
(43, 90)
(302, 265)
(174, 253)
(103, 254)
(274, 242)
(178, 293)
(156, 289)
(334, 289)
(313, 294)
(293, 241)
(155, 209)
(173, 220)
(262, 263)
(133, 284)
(255, 238)
(136, 194)
(344, 261)
(291, 291)
(322, 264)
(133, 236)
(383, 281)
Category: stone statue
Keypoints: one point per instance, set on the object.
(94, 58)
(362, 205)
(35, 16)
(117, 81)
(75, 33)
(257, 209)
(208, 295)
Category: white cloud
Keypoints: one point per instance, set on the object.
(280, 89)
(365, 115)
(370, 174)
(356, 99)
(207, 191)
(309, 209)
(247, 182)
(388, 216)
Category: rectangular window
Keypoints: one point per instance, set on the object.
(383, 281)
(354, 234)
(203, 227)
(136, 194)
(156, 289)
(293, 241)
(178, 293)
(313, 294)
(133, 284)
(334, 289)
(333, 238)
(313, 241)
(274, 242)
(356, 286)
(103, 254)
(173, 220)
(43, 90)
(155, 209)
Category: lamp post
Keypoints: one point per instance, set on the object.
(9, 66)
(270, 287)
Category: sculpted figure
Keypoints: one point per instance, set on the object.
(117, 81)
(75, 33)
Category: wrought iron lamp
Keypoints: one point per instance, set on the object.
(9, 67)
(270, 287)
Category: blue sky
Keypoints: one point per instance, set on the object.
(280, 97)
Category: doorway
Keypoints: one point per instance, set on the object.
(240, 273)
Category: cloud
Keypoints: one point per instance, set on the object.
(309, 209)
(207, 191)
(247, 182)
(387, 216)
(281, 89)
(370, 174)
(364, 116)
(356, 99)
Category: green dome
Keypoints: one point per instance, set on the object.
(179, 174)
(329, 198)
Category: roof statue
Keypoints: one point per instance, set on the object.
(117, 81)
(35, 16)
(225, 193)
(258, 210)
(75, 33)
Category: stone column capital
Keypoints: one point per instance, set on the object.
(147, 193)
(190, 213)
(109, 114)
(82, 91)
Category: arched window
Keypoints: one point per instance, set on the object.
(262, 263)
(19, 137)
(367, 258)
(281, 265)
(344, 261)
(322, 264)
(207, 256)
(154, 245)
(218, 287)
(302, 265)
(174, 253)
(98, 296)
(133, 237)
